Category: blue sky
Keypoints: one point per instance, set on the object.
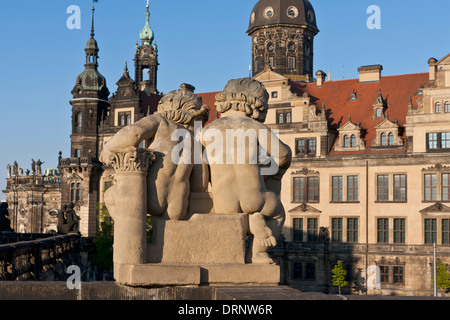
(202, 42)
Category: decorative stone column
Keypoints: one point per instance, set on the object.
(130, 210)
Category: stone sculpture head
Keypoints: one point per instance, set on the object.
(245, 95)
(70, 206)
(182, 106)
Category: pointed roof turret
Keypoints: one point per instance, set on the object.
(91, 79)
(147, 34)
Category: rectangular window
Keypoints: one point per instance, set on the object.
(336, 229)
(384, 274)
(352, 188)
(311, 146)
(298, 230)
(291, 63)
(445, 182)
(297, 272)
(445, 140)
(445, 231)
(438, 140)
(312, 229)
(310, 269)
(306, 146)
(352, 230)
(336, 188)
(432, 140)
(400, 187)
(299, 189)
(313, 189)
(383, 230)
(383, 188)
(75, 192)
(430, 231)
(399, 230)
(430, 187)
(398, 274)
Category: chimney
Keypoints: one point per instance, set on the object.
(370, 73)
(432, 63)
(320, 78)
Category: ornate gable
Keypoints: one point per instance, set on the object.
(350, 137)
(387, 134)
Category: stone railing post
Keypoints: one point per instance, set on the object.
(130, 212)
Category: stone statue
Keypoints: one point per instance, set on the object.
(21, 172)
(33, 167)
(67, 219)
(5, 223)
(8, 171)
(15, 169)
(168, 184)
(39, 167)
(237, 185)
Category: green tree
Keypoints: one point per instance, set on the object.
(103, 256)
(443, 276)
(339, 275)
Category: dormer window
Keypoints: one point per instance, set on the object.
(378, 112)
(383, 139)
(350, 138)
(387, 135)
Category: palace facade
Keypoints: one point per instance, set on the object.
(369, 182)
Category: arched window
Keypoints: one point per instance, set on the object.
(391, 139)
(346, 141)
(383, 139)
(438, 107)
(281, 118)
(288, 117)
(447, 107)
(353, 141)
(78, 122)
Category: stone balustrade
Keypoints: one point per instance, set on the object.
(31, 260)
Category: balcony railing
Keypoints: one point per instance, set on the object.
(31, 260)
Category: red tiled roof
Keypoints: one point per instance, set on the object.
(209, 98)
(335, 96)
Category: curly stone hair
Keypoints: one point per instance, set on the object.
(247, 95)
(182, 106)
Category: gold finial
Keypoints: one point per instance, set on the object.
(148, 6)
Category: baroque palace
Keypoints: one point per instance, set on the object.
(369, 182)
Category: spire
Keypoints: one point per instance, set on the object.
(147, 34)
(92, 26)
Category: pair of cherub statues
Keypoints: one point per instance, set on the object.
(237, 156)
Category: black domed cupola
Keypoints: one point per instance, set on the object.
(283, 34)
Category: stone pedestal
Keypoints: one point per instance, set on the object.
(203, 239)
(160, 274)
(207, 249)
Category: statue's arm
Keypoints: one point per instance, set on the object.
(131, 136)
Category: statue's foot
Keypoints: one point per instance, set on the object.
(262, 258)
(267, 242)
(262, 233)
